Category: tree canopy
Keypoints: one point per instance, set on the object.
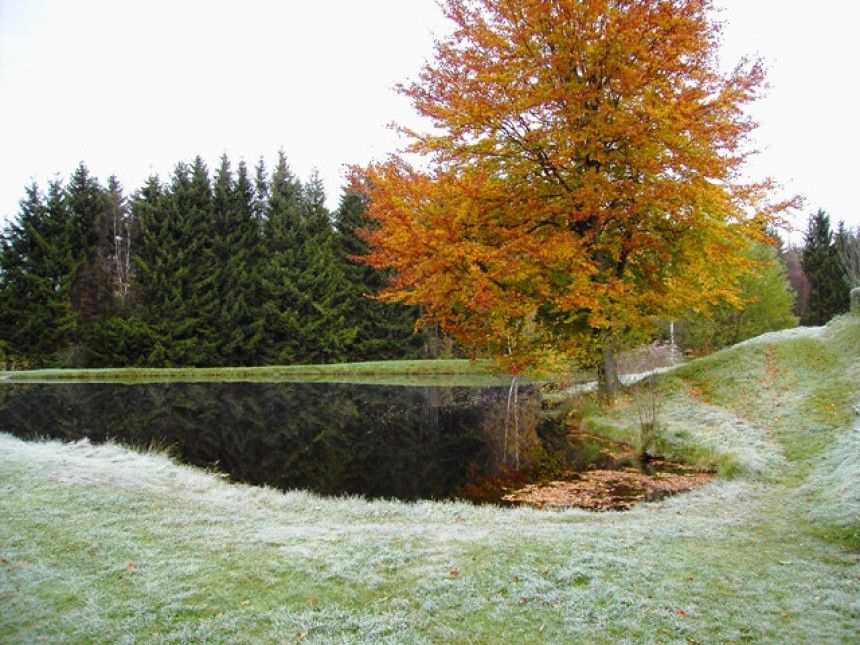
(580, 178)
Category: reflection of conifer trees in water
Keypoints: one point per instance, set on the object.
(404, 442)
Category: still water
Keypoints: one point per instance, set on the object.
(378, 441)
(404, 442)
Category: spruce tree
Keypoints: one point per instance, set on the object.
(119, 338)
(828, 293)
(157, 274)
(380, 330)
(37, 268)
(193, 311)
(847, 244)
(282, 241)
(322, 288)
(236, 251)
(92, 245)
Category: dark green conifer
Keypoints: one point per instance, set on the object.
(236, 252)
(91, 244)
(37, 268)
(157, 268)
(381, 330)
(281, 231)
(194, 330)
(829, 292)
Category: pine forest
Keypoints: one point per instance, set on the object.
(226, 268)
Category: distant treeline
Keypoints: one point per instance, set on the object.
(241, 268)
(233, 268)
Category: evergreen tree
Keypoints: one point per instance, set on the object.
(230, 270)
(37, 268)
(193, 311)
(322, 287)
(828, 293)
(91, 241)
(261, 193)
(157, 275)
(847, 243)
(281, 243)
(236, 244)
(381, 330)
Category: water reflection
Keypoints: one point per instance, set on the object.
(378, 441)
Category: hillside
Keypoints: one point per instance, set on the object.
(103, 544)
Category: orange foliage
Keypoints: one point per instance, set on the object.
(580, 179)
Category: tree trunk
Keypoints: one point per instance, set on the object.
(608, 383)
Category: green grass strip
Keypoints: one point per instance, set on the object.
(375, 371)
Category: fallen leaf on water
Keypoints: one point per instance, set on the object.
(605, 489)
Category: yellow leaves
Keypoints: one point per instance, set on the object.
(581, 169)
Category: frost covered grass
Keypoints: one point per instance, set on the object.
(103, 544)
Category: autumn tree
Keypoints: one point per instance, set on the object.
(581, 177)
(767, 302)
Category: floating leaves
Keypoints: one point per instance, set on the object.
(606, 489)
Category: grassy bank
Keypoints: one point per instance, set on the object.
(102, 544)
(453, 370)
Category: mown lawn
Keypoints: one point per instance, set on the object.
(102, 544)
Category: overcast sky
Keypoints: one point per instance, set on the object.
(132, 87)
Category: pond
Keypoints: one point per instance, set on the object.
(404, 442)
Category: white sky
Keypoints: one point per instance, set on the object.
(132, 87)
